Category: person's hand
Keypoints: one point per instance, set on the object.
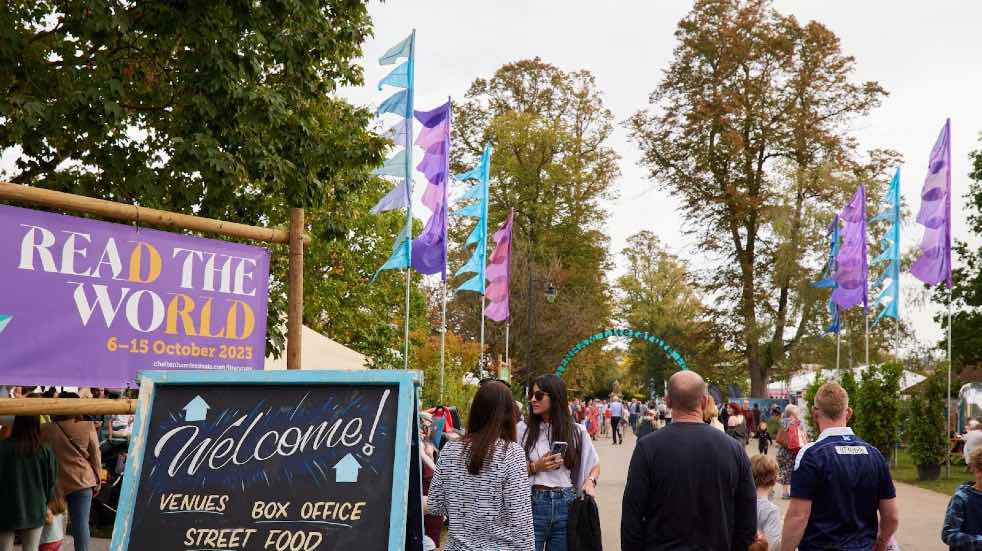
(760, 535)
(548, 462)
(96, 489)
(589, 488)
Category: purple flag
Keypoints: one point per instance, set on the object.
(429, 251)
(852, 267)
(934, 264)
(499, 272)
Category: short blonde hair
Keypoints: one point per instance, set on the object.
(764, 469)
(711, 411)
(975, 460)
(832, 400)
(791, 410)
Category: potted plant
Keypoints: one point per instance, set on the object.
(928, 441)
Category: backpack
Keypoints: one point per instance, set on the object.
(794, 437)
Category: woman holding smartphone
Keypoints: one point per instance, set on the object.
(562, 461)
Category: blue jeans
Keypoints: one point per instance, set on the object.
(550, 511)
(79, 505)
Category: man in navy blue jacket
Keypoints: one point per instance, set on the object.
(839, 485)
(689, 486)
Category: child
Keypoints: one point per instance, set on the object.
(768, 516)
(53, 533)
(763, 438)
(962, 528)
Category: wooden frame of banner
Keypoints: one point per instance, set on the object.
(295, 237)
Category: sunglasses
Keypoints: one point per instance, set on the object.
(538, 395)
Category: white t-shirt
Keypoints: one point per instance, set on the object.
(617, 409)
(559, 478)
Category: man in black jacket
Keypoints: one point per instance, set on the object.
(689, 486)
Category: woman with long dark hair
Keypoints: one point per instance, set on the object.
(557, 475)
(28, 473)
(481, 482)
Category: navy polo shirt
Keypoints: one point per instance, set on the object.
(845, 478)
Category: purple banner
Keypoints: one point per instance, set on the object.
(91, 303)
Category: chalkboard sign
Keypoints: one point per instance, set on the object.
(272, 461)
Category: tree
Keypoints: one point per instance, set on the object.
(751, 131)
(461, 357)
(552, 165)
(221, 109)
(966, 332)
(657, 295)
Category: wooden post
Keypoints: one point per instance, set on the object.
(141, 215)
(294, 320)
(66, 406)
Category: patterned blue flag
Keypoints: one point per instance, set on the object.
(477, 262)
(889, 280)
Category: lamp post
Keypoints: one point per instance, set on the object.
(550, 293)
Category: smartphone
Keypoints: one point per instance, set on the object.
(559, 447)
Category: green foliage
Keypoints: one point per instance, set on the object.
(966, 333)
(553, 165)
(657, 295)
(877, 406)
(809, 398)
(221, 109)
(750, 130)
(849, 383)
(461, 357)
(926, 431)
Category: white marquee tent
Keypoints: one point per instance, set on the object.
(320, 352)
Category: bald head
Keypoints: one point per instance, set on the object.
(686, 390)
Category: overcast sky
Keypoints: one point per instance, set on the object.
(926, 54)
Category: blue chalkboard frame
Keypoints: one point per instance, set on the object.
(149, 380)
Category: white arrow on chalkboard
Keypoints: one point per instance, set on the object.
(347, 469)
(4, 320)
(196, 410)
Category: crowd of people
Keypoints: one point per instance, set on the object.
(51, 466)
(527, 481)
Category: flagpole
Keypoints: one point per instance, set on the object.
(443, 341)
(866, 319)
(838, 347)
(483, 302)
(507, 337)
(409, 201)
(948, 395)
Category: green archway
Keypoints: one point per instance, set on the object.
(631, 333)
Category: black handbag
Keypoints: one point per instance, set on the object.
(583, 525)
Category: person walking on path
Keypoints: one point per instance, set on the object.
(616, 414)
(711, 414)
(481, 482)
(763, 438)
(605, 420)
(962, 529)
(562, 461)
(768, 515)
(634, 411)
(76, 447)
(28, 474)
(593, 419)
(838, 486)
(972, 437)
(790, 438)
(689, 486)
(736, 423)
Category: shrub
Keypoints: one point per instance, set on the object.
(877, 406)
(928, 441)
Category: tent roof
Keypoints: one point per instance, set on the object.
(320, 352)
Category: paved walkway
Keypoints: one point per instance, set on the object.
(921, 511)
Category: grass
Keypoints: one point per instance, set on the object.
(906, 472)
